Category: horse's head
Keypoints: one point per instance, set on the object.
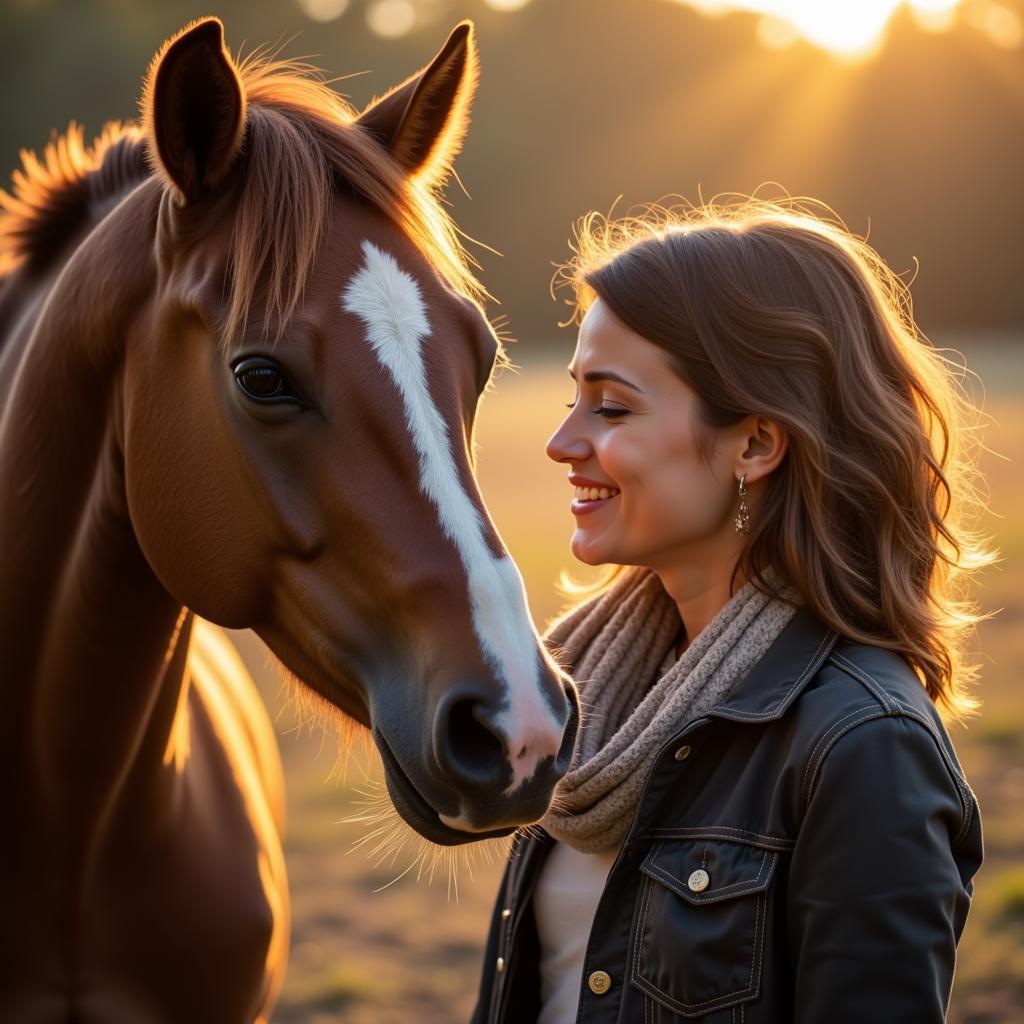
(300, 406)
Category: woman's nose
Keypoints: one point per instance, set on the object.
(567, 444)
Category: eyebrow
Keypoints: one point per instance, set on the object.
(594, 376)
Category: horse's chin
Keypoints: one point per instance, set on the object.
(418, 813)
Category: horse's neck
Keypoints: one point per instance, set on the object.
(22, 295)
(90, 641)
(110, 658)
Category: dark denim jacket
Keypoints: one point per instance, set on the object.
(838, 838)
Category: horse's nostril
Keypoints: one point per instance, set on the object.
(468, 746)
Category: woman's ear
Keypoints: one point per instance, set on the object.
(193, 110)
(766, 444)
(423, 121)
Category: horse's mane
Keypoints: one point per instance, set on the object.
(300, 144)
(53, 196)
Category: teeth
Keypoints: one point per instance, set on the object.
(595, 493)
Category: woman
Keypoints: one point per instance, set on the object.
(765, 820)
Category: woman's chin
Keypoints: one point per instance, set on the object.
(589, 551)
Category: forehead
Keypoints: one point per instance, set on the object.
(605, 343)
(362, 243)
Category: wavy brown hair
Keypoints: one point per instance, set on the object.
(776, 309)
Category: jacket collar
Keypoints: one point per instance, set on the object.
(777, 679)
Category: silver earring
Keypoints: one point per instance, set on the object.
(742, 520)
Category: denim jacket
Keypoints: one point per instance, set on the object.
(803, 852)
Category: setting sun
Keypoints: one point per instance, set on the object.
(851, 30)
(855, 29)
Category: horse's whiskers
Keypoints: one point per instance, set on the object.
(389, 841)
(313, 713)
(532, 831)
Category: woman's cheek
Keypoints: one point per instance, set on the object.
(624, 462)
(681, 507)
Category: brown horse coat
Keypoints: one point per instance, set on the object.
(243, 388)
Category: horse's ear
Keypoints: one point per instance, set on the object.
(423, 121)
(193, 109)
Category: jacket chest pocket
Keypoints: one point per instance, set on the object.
(699, 937)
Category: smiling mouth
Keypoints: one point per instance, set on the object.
(585, 495)
(583, 505)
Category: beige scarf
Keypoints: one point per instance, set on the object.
(615, 645)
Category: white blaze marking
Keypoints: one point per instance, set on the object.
(389, 303)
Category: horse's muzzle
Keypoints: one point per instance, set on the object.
(475, 790)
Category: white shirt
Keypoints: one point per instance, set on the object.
(564, 903)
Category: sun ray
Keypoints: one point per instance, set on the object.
(855, 30)
(805, 130)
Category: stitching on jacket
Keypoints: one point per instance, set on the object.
(762, 907)
(757, 943)
(642, 920)
(869, 682)
(711, 897)
(903, 710)
(829, 638)
(910, 711)
(967, 797)
(896, 706)
(721, 1002)
(902, 707)
(777, 843)
(826, 742)
(730, 998)
(668, 878)
(711, 832)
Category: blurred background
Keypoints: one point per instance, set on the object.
(906, 118)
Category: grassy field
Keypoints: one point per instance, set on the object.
(364, 950)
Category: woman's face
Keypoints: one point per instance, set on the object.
(644, 495)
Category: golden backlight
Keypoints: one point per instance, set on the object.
(852, 30)
(855, 29)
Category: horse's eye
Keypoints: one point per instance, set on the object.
(263, 380)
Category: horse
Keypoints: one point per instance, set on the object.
(241, 351)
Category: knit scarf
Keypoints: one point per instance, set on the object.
(616, 644)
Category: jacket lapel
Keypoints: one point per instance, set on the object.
(776, 680)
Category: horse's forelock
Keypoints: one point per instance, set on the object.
(301, 142)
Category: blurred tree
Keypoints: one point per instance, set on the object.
(585, 100)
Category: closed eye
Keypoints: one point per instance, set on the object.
(609, 412)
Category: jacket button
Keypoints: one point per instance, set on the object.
(599, 982)
(507, 912)
(682, 753)
(699, 880)
(499, 964)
